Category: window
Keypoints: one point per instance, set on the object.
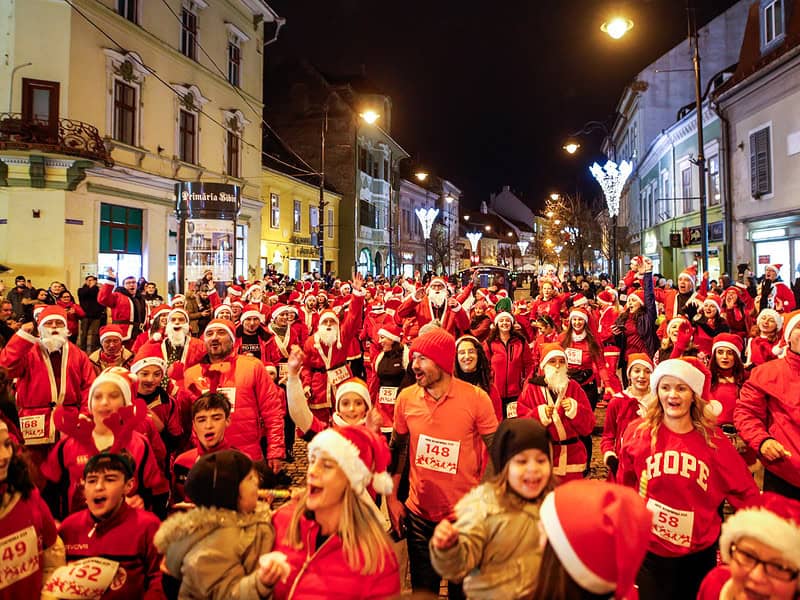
(234, 62)
(760, 163)
(313, 224)
(772, 23)
(274, 211)
(124, 113)
(362, 158)
(129, 9)
(187, 136)
(40, 104)
(386, 173)
(644, 197)
(188, 33)
(366, 214)
(665, 208)
(297, 216)
(714, 191)
(686, 189)
(330, 224)
(120, 229)
(232, 159)
(240, 266)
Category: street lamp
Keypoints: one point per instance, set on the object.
(571, 147)
(370, 116)
(612, 179)
(449, 200)
(426, 218)
(694, 42)
(421, 175)
(617, 27)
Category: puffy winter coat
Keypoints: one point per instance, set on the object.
(512, 363)
(497, 554)
(215, 552)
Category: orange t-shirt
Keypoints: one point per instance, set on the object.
(446, 447)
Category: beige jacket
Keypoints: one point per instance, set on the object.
(215, 552)
(497, 554)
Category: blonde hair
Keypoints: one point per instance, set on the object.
(364, 541)
(654, 418)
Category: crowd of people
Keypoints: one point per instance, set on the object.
(448, 430)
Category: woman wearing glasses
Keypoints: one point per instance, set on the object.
(761, 549)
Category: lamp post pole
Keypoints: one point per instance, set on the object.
(321, 234)
(701, 158)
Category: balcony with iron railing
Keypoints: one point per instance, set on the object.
(64, 136)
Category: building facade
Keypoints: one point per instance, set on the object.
(112, 104)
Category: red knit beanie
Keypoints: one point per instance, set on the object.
(438, 346)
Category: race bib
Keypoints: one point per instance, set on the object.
(574, 356)
(230, 394)
(85, 578)
(387, 395)
(36, 429)
(511, 410)
(437, 455)
(20, 554)
(670, 524)
(338, 375)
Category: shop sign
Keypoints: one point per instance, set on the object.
(207, 200)
(693, 235)
(764, 259)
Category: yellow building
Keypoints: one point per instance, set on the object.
(290, 224)
(112, 103)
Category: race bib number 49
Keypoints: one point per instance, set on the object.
(672, 525)
(20, 555)
(437, 455)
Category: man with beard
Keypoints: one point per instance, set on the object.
(50, 371)
(251, 337)
(256, 404)
(254, 296)
(128, 308)
(560, 404)
(326, 365)
(178, 346)
(309, 314)
(441, 423)
(778, 295)
(436, 307)
(111, 352)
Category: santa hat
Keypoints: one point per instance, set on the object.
(792, 321)
(774, 523)
(393, 303)
(608, 296)
(53, 311)
(323, 293)
(391, 331)
(235, 290)
(775, 267)
(328, 313)
(503, 314)
(251, 310)
(177, 298)
(224, 324)
(362, 454)
(278, 310)
(161, 309)
(439, 280)
(356, 386)
(397, 291)
(774, 314)
(148, 355)
(600, 532)
(251, 289)
(639, 358)
(713, 300)
(222, 307)
(690, 273)
(436, 345)
(177, 310)
(377, 308)
(550, 351)
(579, 300)
(119, 376)
(637, 295)
(577, 313)
(728, 340)
(107, 331)
(693, 373)
(294, 298)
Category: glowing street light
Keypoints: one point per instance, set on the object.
(488, 228)
(523, 247)
(554, 197)
(370, 116)
(571, 147)
(421, 175)
(617, 27)
(466, 217)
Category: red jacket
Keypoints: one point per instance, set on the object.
(324, 574)
(272, 354)
(123, 311)
(454, 320)
(769, 407)
(761, 350)
(257, 408)
(127, 538)
(622, 410)
(38, 387)
(74, 314)
(551, 308)
(511, 363)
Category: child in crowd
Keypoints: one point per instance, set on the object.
(211, 415)
(214, 548)
(494, 544)
(114, 418)
(26, 525)
(766, 342)
(112, 540)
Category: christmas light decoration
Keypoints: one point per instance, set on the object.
(612, 179)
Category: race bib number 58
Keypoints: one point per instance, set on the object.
(670, 524)
(437, 454)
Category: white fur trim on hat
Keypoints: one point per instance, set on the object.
(681, 369)
(225, 328)
(355, 387)
(388, 335)
(641, 362)
(726, 344)
(111, 333)
(279, 311)
(252, 313)
(579, 314)
(346, 455)
(557, 538)
(793, 322)
(770, 312)
(505, 313)
(117, 379)
(552, 354)
(766, 527)
(178, 309)
(147, 362)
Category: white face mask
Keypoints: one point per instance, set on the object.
(53, 339)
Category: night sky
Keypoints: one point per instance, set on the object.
(485, 93)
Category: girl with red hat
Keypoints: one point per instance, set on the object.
(766, 342)
(708, 323)
(510, 358)
(684, 467)
(737, 310)
(390, 372)
(677, 340)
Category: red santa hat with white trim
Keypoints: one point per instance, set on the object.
(391, 331)
(235, 291)
(600, 532)
(690, 273)
(328, 313)
(728, 340)
(250, 289)
(775, 267)
(161, 309)
(50, 312)
(113, 330)
(177, 298)
(578, 313)
(225, 306)
(715, 301)
(607, 296)
(693, 373)
(280, 309)
(224, 324)
(792, 321)
(251, 310)
(148, 355)
(551, 350)
(119, 376)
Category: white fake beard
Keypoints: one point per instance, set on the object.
(328, 335)
(437, 298)
(556, 378)
(53, 340)
(177, 335)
